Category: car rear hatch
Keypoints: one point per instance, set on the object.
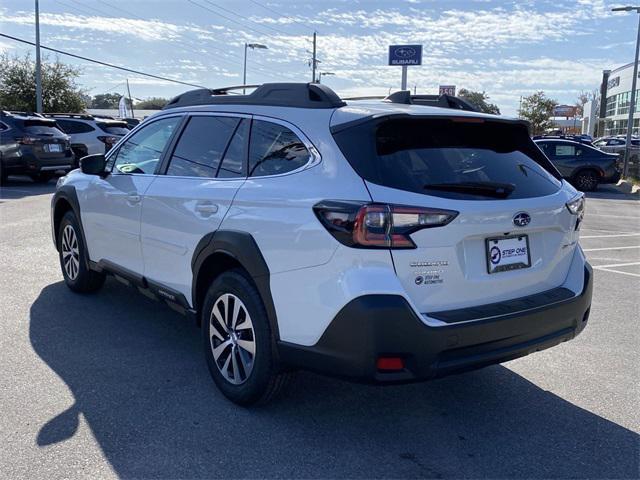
(49, 144)
(509, 232)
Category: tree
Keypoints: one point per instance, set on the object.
(60, 93)
(538, 110)
(105, 100)
(153, 103)
(479, 100)
(583, 98)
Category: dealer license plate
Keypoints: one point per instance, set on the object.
(508, 253)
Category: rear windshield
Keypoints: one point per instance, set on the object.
(452, 158)
(114, 128)
(42, 127)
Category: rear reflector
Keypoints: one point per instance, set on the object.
(390, 363)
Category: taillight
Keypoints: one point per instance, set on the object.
(110, 141)
(377, 225)
(26, 140)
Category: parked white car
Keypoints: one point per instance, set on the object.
(373, 240)
(96, 134)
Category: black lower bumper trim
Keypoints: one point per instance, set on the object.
(385, 325)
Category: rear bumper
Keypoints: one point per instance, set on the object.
(372, 326)
(26, 161)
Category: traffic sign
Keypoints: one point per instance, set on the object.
(447, 90)
(403, 55)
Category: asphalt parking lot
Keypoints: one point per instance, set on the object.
(114, 385)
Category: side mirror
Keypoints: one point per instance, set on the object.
(93, 164)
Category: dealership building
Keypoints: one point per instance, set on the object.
(611, 116)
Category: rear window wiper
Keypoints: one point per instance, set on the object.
(485, 189)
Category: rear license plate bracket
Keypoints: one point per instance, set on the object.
(507, 253)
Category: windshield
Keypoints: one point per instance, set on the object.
(464, 159)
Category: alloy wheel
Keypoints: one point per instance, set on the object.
(232, 338)
(70, 252)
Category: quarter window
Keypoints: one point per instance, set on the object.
(141, 153)
(274, 149)
(202, 146)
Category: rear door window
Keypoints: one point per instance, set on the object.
(113, 129)
(274, 150)
(202, 145)
(452, 158)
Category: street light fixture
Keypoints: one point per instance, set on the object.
(325, 74)
(627, 150)
(252, 46)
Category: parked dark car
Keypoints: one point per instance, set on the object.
(582, 165)
(34, 146)
(586, 139)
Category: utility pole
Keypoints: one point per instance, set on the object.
(314, 60)
(627, 151)
(38, 64)
(130, 101)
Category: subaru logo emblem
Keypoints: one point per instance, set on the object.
(405, 52)
(522, 219)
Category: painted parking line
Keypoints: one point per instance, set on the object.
(611, 216)
(617, 271)
(611, 236)
(609, 248)
(615, 265)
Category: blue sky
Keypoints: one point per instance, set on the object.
(506, 48)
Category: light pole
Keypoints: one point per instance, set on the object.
(38, 64)
(252, 46)
(627, 150)
(320, 74)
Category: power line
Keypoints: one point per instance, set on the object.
(281, 15)
(87, 59)
(189, 46)
(248, 19)
(230, 19)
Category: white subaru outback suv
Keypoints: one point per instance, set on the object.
(378, 241)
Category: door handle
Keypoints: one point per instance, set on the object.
(133, 198)
(206, 208)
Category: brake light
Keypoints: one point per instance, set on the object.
(376, 225)
(576, 207)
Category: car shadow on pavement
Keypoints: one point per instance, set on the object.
(614, 192)
(17, 187)
(138, 376)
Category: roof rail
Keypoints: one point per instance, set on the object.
(83, 116)
(22, 114)
(442, 101)
(301, 95)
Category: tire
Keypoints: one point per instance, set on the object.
(42, 177)
(585, 180)
(73, 257)
(244, 378)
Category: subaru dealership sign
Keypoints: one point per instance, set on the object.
(403, 55)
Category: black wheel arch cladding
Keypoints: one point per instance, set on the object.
(242, 247)
(66, 194)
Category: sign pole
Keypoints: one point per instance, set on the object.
(404, 78)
